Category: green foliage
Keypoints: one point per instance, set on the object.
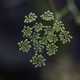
(43, 38)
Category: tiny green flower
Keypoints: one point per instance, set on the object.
(43, 40)
(52, 49)
(30, 18)
(27, 31)
(65, 37)
(58, 26)
(47, 29)
(38, 60)
(38, 27)
(47, 16)
(52, 37)
(24, 46)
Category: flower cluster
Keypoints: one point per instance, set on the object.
(30, 18)
(48, 16)
(43, 38)
(24, 46)
(38, 60)
(27, 31)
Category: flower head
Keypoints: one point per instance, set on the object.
(24, 46)
(38, 60)
(47, 16)
(30, 18)
(44, 36)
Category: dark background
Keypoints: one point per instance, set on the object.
(12, 65)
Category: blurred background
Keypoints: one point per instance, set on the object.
(13, 65)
